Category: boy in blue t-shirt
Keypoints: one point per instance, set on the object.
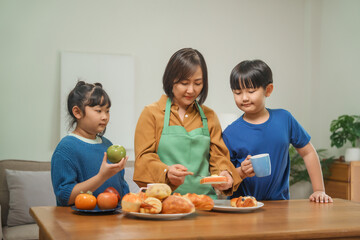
(262, 130)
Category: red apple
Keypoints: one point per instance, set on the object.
(113, 190)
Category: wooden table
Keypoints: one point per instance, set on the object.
(291, 219)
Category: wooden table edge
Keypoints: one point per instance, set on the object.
(46, 233)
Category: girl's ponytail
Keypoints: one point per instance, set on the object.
(98, 85)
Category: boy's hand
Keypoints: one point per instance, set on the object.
(246, 169)
(108, 170)
(320, 197)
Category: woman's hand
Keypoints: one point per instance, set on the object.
(246, 169)
(321, 197)
(224, 186)
(177, 173)
(108, 170)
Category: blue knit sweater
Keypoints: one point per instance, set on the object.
(75, 161)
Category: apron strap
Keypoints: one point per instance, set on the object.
(204, 120)
(167, 115)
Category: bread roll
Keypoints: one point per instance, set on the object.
(233, 202)
(176, 204)
(142, 196)
(247, 201)
(151, 205)
(131, 202)
(158, 190)
(193, 197)
(201, 202)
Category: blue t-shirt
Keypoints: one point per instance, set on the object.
(274, 137)
(75, 161)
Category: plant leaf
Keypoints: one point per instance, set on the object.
(345, 128)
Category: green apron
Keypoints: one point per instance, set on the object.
(190, 149)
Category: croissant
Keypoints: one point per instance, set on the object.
(177, 204)
(131, 202)
(151, 205)
(247, 201)
(201, 202)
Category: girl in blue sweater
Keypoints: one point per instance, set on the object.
(79, 162)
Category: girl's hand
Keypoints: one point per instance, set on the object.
(246, 169)
(108, 170)
(177, 173)
(224, 186)
(321, 197)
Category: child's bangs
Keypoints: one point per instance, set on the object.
(245, 81)
(98, 97)
(250, 74)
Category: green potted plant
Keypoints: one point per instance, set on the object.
(298, 171)
(346, 128)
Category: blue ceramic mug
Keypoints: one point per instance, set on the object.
(261, 164)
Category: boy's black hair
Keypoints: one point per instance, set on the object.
(250, 74)
(86, 94)
(183, 65)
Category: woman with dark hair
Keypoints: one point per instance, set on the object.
(177, 139)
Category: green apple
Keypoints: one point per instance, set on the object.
(115, 153)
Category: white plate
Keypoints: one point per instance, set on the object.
(157, 216)
(224, 206)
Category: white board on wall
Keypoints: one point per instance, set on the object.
(116, 74)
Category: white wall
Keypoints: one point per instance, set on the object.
(335, 66)
(311, 46)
